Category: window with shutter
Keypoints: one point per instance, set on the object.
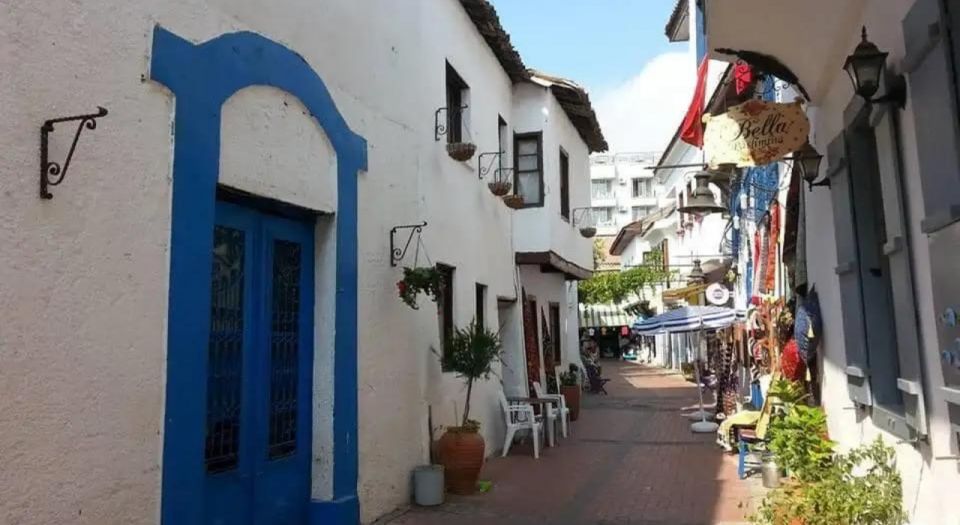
(896, 249)
(932, 89)
(858, 381)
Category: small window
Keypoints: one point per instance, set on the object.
(642, 188)
(603, 215)
(528, 168)
(481, 305)
(445, 308)
(456, 104)
(502, 140)
(564, 185)
(601, 189)
(640, 212)
(555, 332)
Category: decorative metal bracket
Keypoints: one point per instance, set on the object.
(483, 170)
(396, 254)
(52, 173)
(440, 126)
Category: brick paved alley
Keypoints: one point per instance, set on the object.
(630, 459)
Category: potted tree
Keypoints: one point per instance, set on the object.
(571, 392)
(470, 353)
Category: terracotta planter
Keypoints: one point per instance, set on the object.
(572, 395)
(461, 453)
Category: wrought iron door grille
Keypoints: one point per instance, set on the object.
(284, 346)
(225, 351)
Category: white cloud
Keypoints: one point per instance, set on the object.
(643, 113)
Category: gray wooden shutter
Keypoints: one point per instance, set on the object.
(857, 370)
(897, 252)
(931, 83)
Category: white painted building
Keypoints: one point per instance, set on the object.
(887, 293)
(278, 147)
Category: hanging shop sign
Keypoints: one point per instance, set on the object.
(717, 294)
(755, 133)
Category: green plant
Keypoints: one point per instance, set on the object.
(471, 353)
(568, 378)
(419, 280)
(617, 287)
(862, 487)
(798, 440)
(787, 392)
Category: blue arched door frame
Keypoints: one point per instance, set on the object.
(202, 77)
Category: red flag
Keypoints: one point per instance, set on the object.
(691, 131)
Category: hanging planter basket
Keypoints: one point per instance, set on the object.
(588, 232)
(500, 187)
(420, 280)
(513, 201)
(462, 151)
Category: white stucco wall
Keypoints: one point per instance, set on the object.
(928, 483)
(84, 279)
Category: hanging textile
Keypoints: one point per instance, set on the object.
(742, 75)
(773, 243)
(691, 129)
(547, 338)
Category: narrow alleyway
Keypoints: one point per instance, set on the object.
(631, 459)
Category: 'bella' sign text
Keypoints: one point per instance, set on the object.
(755, 133)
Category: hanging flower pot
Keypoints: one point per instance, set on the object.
(500, 187)
(415, 281)
(513, 201)
(588, 231)
(461, 151)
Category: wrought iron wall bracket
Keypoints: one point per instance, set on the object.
(397, 254)
(52, 173)
(485, 169)
(440, 126)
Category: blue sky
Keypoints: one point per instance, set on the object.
(639, 83)
(598, 43)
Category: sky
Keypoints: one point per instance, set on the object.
(639, 83)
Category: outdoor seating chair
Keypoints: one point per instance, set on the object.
(520, 416)
(752, 439)
(554, 412)
(595, 381)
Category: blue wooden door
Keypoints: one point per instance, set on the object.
(259, 370)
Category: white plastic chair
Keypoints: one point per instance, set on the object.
(520, 416)
(554, 412)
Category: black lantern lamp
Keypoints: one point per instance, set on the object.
(696, 275)
(808, 159)
(701, 200)
(866, 67)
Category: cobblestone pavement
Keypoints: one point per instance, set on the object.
(630, 459)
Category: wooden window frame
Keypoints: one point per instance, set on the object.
(481, 305)
(555, 327)
(520, 137)
(445, 309)
(455, 88)
(564, 185)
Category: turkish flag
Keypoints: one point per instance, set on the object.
(691, 130)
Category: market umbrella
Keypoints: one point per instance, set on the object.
(685, 320)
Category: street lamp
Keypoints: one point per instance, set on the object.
(866, 67)
(809, 161)
(701, 200)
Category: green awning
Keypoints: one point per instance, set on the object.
(599, 315)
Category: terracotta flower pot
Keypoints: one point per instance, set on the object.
(572, 396)
(461, 453)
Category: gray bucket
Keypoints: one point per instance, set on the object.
(428, 485)
(771, 473)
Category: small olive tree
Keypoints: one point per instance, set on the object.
(471, 353)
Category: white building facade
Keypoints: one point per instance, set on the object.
(290, 381)
(881, 239)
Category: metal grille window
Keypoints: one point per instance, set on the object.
(284, 347)
(481, 305)
(456, 97)
(528, 168)
(225, 351)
